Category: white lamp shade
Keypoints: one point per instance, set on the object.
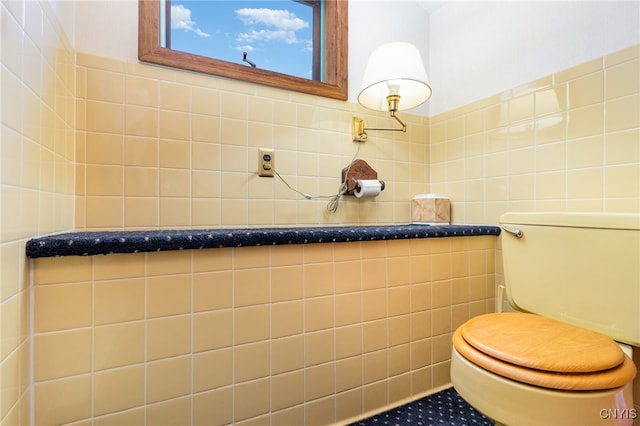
(394, 64)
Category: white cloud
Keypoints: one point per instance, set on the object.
(267, 35)
(284, 24)
(280, 19)
(181, 19)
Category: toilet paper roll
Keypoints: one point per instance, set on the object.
(367, 188)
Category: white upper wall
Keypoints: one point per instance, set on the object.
(66, 14)
(107, 28)
(471, 49)
(479, 49)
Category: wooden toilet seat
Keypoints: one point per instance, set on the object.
(543, 352)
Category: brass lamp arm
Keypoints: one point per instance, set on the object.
(359, 129)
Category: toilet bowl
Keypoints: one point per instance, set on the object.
(554, 360)
(551, 374)
(512, 403)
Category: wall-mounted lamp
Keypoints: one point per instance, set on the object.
(394, 72)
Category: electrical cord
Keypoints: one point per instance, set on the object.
(334, 200)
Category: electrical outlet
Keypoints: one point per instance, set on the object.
(266, 162)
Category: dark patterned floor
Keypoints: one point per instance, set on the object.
(443, 408)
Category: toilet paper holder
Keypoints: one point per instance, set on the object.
(358, 170)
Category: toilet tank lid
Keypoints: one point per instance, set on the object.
(573, 219)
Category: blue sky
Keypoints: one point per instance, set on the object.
(276, 34)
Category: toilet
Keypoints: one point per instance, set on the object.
(563, 356)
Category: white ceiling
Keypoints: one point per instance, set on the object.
(430, 5)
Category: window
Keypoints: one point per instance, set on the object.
(321, 71)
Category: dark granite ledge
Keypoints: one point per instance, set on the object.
(106, 242)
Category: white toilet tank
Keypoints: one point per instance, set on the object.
(580, 268)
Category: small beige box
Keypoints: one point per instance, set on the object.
(431, 209)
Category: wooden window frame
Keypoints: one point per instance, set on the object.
(317, 31)
(336, 37)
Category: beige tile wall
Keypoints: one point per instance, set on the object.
(159, 148)
(311, 334)
(36, 174)
(565, 142)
